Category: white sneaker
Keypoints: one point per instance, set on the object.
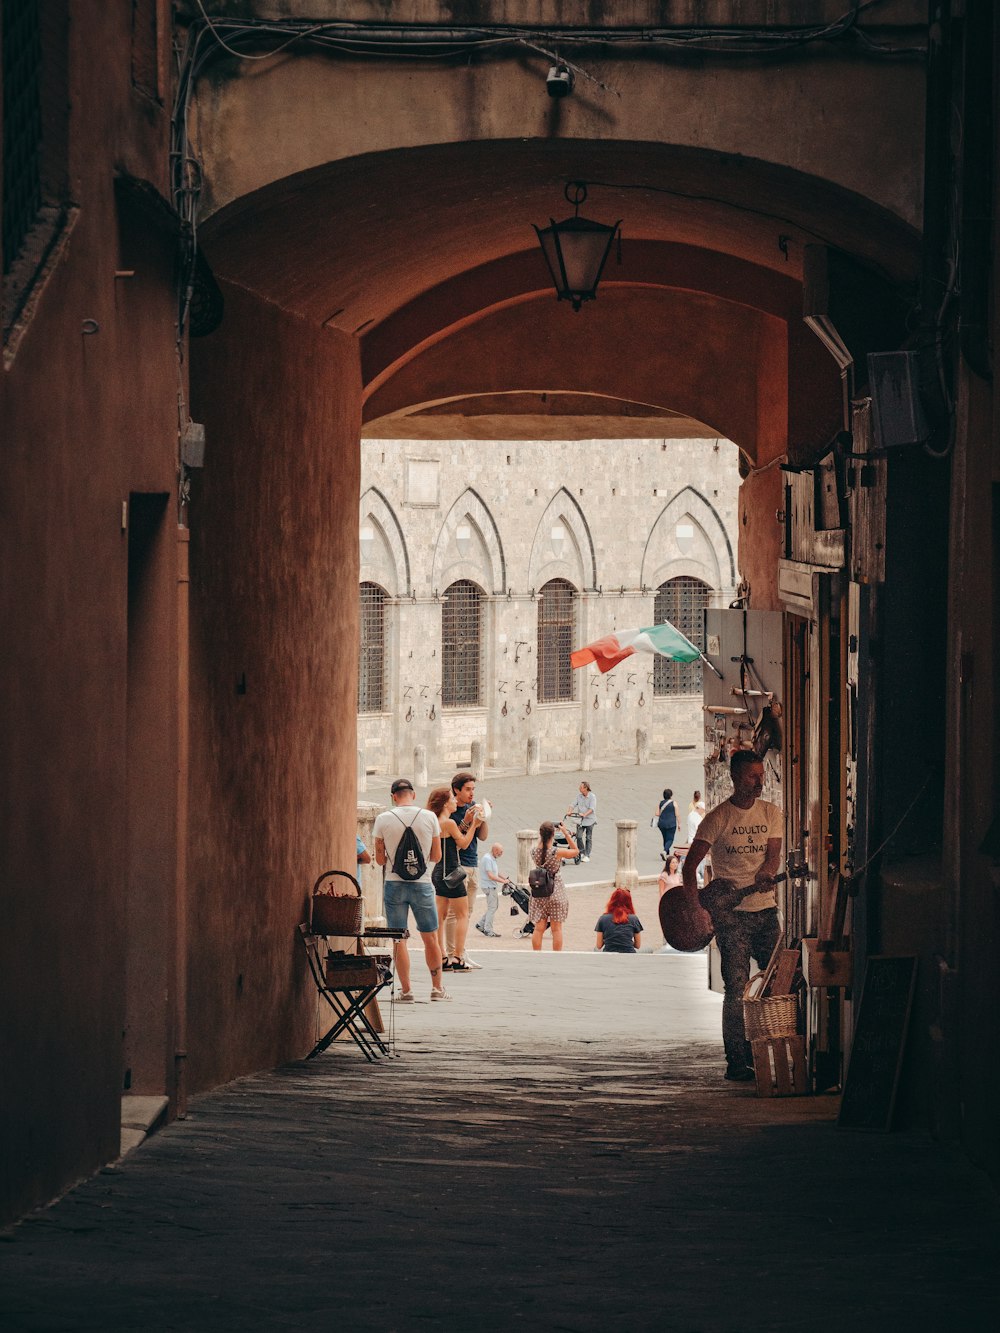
(439, 993)
(474, 967)
(405, 997)
(584, 858)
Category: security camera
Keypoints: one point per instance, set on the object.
(559, 81)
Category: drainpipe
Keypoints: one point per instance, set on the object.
(183, 747)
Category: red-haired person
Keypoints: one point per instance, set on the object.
(619, 930)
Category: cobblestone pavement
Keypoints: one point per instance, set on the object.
(624, 791)
(554, 1149)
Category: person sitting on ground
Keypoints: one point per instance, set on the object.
(670, 875)
(619, 930)
(554, 910)
(489, 878)
(404, 895)
(666, 821)
(455, 898)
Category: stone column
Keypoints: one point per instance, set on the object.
(478, 767)
(641, 746)
(626, 874)
(526, 839)
(534, 761)
(370, 876)
(362, 770)
(420, 766)
(586, 752)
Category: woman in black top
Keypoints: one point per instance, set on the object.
(619, 930)
(666, 820)
(442, 802)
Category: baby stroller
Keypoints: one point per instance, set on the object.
(520, 902)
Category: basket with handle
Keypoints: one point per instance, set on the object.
(768, 1015)
(336, 913)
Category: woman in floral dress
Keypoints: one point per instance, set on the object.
(551, 911)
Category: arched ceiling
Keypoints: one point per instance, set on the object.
(347, 245)
(427, 257)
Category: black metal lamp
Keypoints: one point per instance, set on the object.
(576, 250)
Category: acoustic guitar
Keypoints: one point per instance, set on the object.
(721, 897)
(689, 922)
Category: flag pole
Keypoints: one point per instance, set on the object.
(711, 666)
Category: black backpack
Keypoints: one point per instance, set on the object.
(409, 862)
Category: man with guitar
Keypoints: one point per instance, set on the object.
(743, 837)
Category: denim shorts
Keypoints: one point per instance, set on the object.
(400, 895)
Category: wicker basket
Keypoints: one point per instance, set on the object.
(347, 971)
(336, 914)
(768, 1015)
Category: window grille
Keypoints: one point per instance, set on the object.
(682, 601)
(22, 124)
(371, 666)
(461, 645)
(556, 626)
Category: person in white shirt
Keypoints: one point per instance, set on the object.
(696, 813)
(743, 836)
(489, 879)
(403, 895)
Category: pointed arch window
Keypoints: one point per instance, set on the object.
(556, 626)
(682, 601)
(371, 663)
(462, 645)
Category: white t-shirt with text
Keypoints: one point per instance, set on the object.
(389, 827)
(738, 839)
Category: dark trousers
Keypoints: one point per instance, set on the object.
(668, 832)
(751, 934)
(584, 838)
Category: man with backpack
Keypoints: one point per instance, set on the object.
(408, 842)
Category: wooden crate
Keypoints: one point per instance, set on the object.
(825, 967)
(779, 1066)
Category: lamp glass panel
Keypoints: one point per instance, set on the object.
(583, 256)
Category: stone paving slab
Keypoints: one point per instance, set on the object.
(554, 1149)
(624, 791)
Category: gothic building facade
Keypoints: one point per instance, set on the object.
(483, 566)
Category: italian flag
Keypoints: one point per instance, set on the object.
(661, 640)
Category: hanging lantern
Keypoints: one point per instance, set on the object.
(576, 250)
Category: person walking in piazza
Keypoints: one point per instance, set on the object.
(743, 837)
(463, 784)
(666, 821)
(554, 910)
(489, 879)
(403, 895)
(584, 810)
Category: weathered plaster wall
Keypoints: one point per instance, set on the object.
(273, 666)
(86, 419)
(803, 116)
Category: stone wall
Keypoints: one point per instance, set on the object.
(616, 519)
